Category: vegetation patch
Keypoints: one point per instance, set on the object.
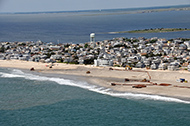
(156, 30)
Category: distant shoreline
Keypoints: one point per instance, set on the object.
(156, 30)
(113, 11)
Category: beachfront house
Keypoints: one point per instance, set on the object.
(2, 56)
(103, 62)
(173, 66)
(154, 66)
(140, 65)
(163, 66)
(147, 62)
(188, 67)
(25, 57)
(81, 60)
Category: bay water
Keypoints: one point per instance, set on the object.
(76, 27)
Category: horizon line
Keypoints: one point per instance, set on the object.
(94, 10)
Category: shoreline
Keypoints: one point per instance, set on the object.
(115, 11)
(157, 30)
(103, 77)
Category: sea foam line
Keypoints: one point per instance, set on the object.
(141, 96)
(102, 90)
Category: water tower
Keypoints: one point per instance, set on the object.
(92, 40)
(92, 37)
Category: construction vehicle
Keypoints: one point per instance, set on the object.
(127, 67)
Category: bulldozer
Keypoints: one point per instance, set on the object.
(127, 67)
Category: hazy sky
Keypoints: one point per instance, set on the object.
(68, 5)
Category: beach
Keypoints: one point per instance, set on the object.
(103, 76)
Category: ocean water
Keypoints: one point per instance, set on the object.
(76, 27)
(33, 99)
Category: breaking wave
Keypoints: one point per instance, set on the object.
(19, 74)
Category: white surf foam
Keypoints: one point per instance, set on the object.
(7, 75)
(18, 73)
(140, 96)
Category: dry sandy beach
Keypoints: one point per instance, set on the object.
(103, 76)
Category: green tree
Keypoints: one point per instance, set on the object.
(2, 49)
(86, 45)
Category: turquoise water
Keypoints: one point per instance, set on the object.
(29, 99)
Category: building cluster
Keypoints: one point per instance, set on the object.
(153, 53)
